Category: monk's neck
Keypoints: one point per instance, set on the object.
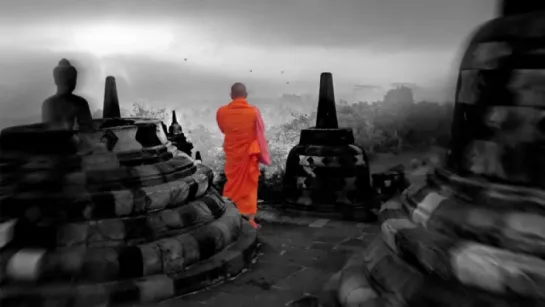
(239, 100)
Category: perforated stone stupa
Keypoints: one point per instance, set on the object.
(326, 172)
(474, 233)
(133, 220)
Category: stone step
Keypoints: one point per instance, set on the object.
(166, 255)
(115, 231)
(85, 205)
(226, 264)
(39, 173)
(468, 263)
(398, 283)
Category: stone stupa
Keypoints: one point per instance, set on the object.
(177, 137)
(326, 172)
(474, 233)
(134, 220)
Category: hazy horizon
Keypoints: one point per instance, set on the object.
(170, 53)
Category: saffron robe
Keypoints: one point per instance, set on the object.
(237, 121)
(264, 156)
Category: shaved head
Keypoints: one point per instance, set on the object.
(238, 90)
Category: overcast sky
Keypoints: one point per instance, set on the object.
(173, 51)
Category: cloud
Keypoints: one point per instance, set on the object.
(367, 87)
(369, 43)
(380, 25)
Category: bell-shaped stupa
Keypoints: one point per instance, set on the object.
(473, 234)
(177, 136)
(326, 172)
(114, 216)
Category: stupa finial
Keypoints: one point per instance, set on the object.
(111, 102)
(327, 113)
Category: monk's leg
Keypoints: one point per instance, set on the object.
(252, 201)
(242, 189)
(247, 203)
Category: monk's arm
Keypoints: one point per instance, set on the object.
(258, 117)
(264, 157)
(218, 119)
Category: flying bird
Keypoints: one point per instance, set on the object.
(282, 72)
(185, 59)
(250, 70)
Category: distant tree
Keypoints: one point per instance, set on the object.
(124, 113)
(282, 138)
(142, 110)
(401, 94)
(206, 142)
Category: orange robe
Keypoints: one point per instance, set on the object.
(237, 121)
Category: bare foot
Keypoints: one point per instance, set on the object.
(254, 224)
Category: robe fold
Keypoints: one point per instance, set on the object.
(264, 156)
(237, 121)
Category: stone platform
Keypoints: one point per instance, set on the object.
(296, 258)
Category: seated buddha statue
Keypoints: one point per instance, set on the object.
(64, 109)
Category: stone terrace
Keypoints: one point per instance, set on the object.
(295, 260)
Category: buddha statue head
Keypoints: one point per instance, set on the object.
(65, 76)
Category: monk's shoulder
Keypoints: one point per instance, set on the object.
(222, 109)
(254, 108)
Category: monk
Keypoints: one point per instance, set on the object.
(237, 121)
(64, 109)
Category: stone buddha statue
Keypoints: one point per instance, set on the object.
(64, 109)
